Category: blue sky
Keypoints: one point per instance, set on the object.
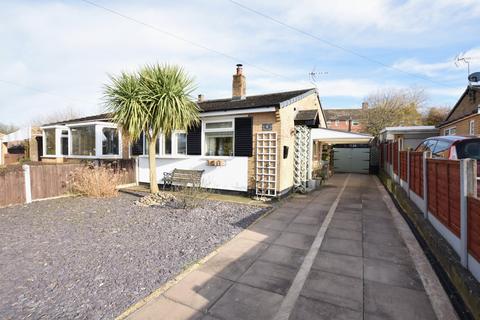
(56, 55)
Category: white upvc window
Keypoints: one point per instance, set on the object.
(53, 138)
(172, 145)
(94, 140)
(450, 131)
(218, 137)
(337, 123)
(472, 127)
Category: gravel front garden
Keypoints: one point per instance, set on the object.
(93, 258)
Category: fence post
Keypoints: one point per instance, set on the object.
(391, 160)
(426, 155)
(137, 163)
(408, 174)
(399, 170)
(468, 179)
(28, 184)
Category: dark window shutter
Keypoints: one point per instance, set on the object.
(137, 146)
(243, 137)
(194, 140)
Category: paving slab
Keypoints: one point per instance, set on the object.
(335, 289)
(392, 274)
(306, 308)
(346, 224)
(344, 234)
(339, 264)
(274, 224)
(269, 276)
(294, 240)
(260, 234)
(290, 257)
(384, 238)
(342, 246)
(308, 229)
(165, 309)
(399, 255)
(245, 302)
(390, 302)
(199, 290)
(227, 267)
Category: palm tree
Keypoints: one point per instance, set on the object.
(157, 99)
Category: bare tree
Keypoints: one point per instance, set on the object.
(393, 107)
(7, 128)
(68, 113)
(434, 115)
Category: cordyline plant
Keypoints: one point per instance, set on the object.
(156, 99)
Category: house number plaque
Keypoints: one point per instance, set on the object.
(266, 127)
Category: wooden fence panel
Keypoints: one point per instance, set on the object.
(395, 157)
(444, 192)
(12, 186)
(382, 154)
(403, 165)
(474, 227)
(50, 180)
(416, 173)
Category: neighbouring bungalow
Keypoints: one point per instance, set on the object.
(242, 144)
(464, 118)
(24, 143)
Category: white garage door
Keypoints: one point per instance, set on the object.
(353, 158)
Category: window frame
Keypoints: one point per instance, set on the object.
(448, 131)
(205, 130)
(471, 127)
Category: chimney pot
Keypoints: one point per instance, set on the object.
(200, 98)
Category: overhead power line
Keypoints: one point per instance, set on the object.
(183, 39)
(332, 44)
(16, 84)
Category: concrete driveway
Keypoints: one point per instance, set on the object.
(342, 252)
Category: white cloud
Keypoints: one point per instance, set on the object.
(445, 69)
(68, 48)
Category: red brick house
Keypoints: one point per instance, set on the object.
(349, 120)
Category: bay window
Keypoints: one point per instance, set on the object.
(219, 138)
(83, 141)
(110, 141)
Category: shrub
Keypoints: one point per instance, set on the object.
(94, 181)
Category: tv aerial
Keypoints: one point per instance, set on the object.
(460, 60)
(315, 76)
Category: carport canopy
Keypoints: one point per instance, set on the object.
(339, 137)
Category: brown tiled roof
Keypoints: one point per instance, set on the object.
(343, 114)
(257, 101)
(250, 102)
(468, 104)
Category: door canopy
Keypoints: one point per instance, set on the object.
(339, 137)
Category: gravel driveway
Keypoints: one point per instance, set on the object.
(93, 258)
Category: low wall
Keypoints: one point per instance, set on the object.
(232, 176)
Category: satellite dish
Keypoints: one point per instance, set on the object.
(474, 77)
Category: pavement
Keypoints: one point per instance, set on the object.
(340, 252)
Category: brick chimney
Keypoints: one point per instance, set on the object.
(239, 86)
(364, 105)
